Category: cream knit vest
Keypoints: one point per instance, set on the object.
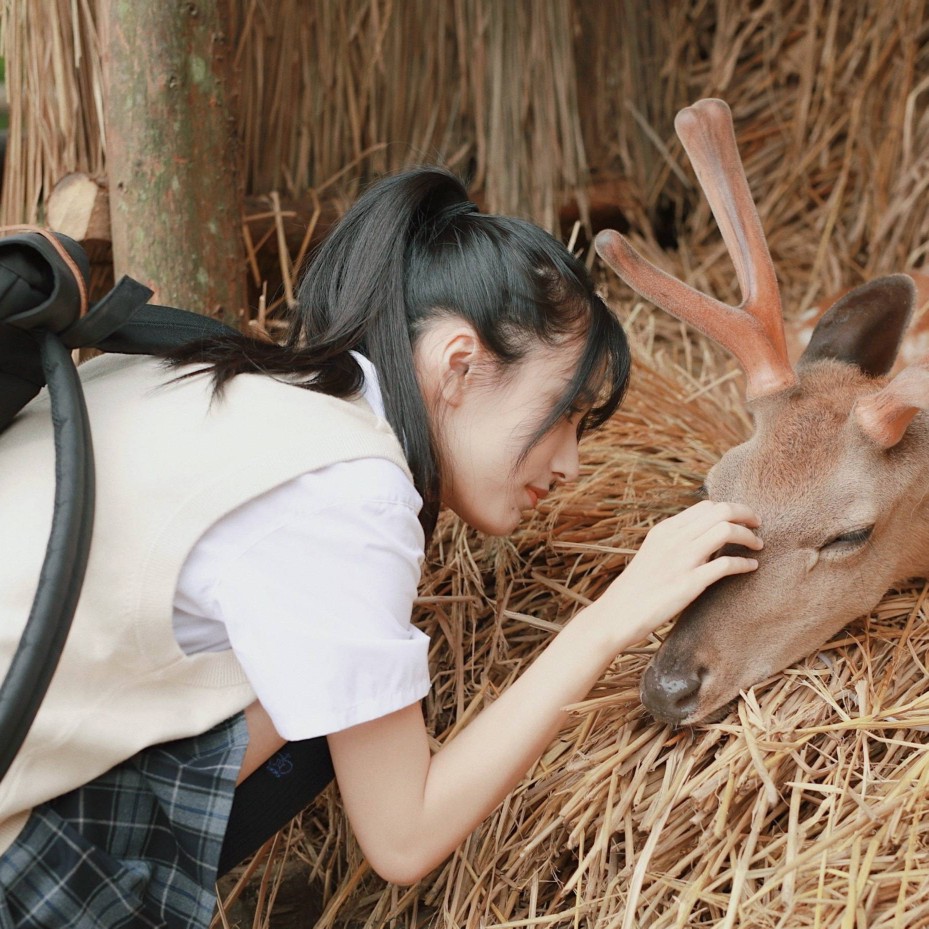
(169, 464)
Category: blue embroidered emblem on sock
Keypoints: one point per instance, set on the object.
(280, 765)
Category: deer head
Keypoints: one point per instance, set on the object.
(836, 469)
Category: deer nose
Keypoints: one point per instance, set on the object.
(671, 694)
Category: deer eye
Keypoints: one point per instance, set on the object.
(849, 541)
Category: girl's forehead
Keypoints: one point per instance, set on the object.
(548, 367)
(544, 377)
(559, 364)
(563, 356)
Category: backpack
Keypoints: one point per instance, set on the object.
(44, 316)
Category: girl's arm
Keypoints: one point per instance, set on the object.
(410, 808)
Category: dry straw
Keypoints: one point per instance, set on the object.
(805, 805)
(53, 78)
(329, 90)
(375, 85)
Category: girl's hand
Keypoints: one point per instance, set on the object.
(409, 809)
(675, 564)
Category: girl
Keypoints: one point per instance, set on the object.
(256, 556)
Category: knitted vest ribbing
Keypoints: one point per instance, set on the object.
(169, 464)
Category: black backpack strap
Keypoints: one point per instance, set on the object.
(66, 554)
(43, 315)
(151, 329)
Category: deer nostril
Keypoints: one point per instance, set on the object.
(671, 695)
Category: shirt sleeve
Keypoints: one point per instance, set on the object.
(316, 592)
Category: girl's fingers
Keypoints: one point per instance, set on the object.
(716, 512)
(722, 534)
(724, 566)
(707, 513)
(743, 514)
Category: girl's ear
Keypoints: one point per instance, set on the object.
(459, 356)
(866, 326)
(447, 357)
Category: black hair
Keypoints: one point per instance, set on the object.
(413, 247)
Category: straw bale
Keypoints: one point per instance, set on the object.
(357, 88)
(54, 80)
(803, 805)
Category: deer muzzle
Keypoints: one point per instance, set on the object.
(702, 663)
(671, 694)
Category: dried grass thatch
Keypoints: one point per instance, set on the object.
(369, 85)
(54, 81)
(806, 804)
(329, 91)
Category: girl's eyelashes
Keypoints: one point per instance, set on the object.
(701, 493)
(576, 409)
(582, 415)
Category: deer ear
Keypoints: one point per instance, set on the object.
(866, 326)
(885, 416)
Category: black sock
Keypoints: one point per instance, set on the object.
(271, 796)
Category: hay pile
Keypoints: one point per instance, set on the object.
(806, 804)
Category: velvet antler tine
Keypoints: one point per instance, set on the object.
(708, 136)
(766, 370)
(709, 316)
(884, 416)
(753, 331)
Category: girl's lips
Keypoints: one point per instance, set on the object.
(536, 494)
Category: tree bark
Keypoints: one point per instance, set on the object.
(172, 152)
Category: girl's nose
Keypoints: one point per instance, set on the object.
(566, 464)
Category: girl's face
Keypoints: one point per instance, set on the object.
(484, 419)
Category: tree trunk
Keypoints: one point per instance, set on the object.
(172, 152)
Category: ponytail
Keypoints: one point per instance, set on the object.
(354, 295)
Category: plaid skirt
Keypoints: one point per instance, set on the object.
(137, 847)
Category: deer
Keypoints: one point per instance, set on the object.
(836, 468)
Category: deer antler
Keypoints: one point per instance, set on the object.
(753, 331)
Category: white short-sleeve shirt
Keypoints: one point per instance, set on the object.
(312, 585)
